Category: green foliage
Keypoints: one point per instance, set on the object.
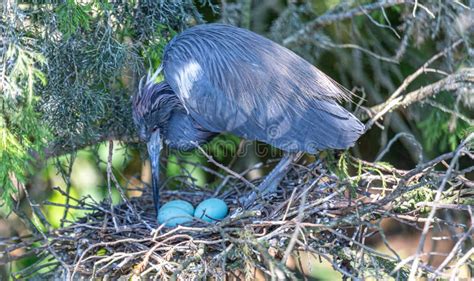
(21, 130)
(341, 167)
(12, 156)
(23, 71)
(442, 131)
(408, 202)
(20, 134)
(72, 90)
(156, 45)
(104, 48)
(73, 16)
(377, 171)
(333, 163)
(223, 147)
(342, 170)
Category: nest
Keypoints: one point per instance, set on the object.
(313, 211)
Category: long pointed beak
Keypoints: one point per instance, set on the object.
(154, 148)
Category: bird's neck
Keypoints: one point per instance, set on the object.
(179, 129)
(183, 133)
(167, 103)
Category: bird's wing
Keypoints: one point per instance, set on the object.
(233, 80)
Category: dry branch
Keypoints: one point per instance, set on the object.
(464, 78)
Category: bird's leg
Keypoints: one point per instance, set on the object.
(272, 180)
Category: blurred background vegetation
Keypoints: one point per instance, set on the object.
(68, 69)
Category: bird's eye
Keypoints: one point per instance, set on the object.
(154, 128)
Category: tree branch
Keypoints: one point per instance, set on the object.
(330, 17)
(57, 149)
(450, 83)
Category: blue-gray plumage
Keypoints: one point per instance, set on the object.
(220, 78)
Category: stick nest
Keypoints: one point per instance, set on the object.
(314, 211)
(128, 241)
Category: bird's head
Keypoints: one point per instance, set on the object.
(152, 106)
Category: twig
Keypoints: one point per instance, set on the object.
(394, 139)
(109, 185)
(439, 193)
(229, 171)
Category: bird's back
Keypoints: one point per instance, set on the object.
(231, 79)
(232, 48)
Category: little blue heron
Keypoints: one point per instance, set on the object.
(221, 78)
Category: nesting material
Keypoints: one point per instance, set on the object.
(314, 212)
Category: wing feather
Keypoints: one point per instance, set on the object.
(233, 80)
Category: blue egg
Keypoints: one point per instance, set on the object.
(211, 210)
(181, 204)
(173, 216)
